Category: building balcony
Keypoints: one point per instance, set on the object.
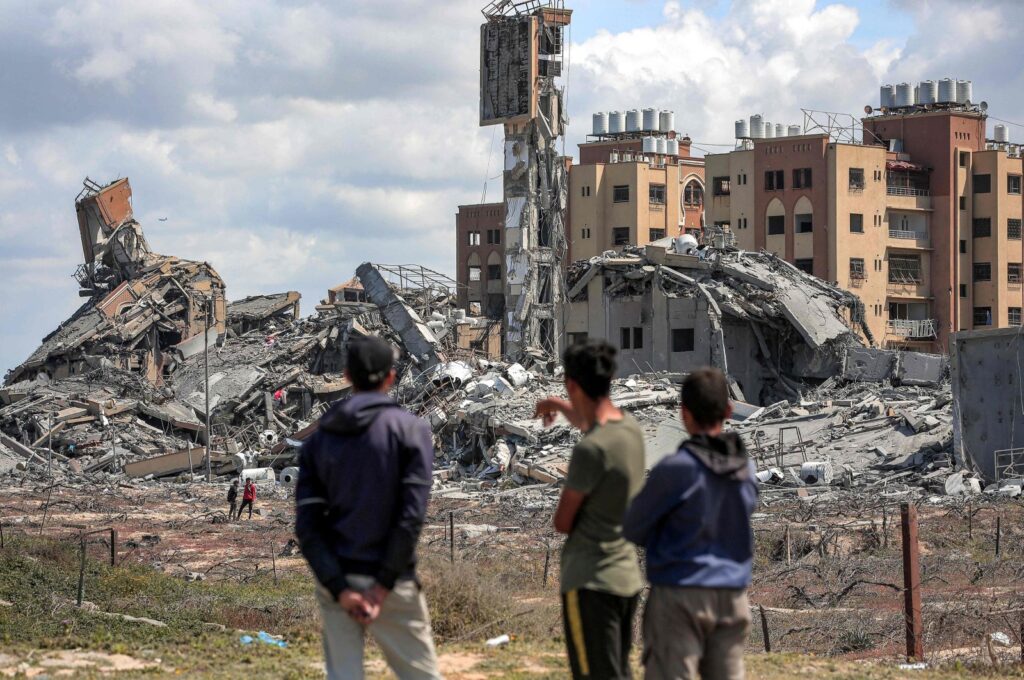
(908, 288)
(908, 198)
(910, 239)
(911, 328)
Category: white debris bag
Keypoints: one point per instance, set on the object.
(817, 472)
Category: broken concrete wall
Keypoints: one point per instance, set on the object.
(417, 337)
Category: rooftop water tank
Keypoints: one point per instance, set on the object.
(756, 127)
(904, 95)
(667, 120)
(780, 130)
(673, 147)
(917, 96)
(685, 244)
(662, 146)
(616, 122)
(650, 145)
(601, 123)
(887, 96)
(742, 129)
(613, 157)
(928, 92)
(632, 120)
(947, 91)
(795, 131)
(769, 130)
(1001, 134)
(650, 120)
(964, 92)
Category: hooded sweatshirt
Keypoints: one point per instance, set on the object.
(364, 483)
(693, 515)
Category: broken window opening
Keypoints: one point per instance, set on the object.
(620, 193)
(982, 271)
(774, 180)
(494, 272)
(801, 178)
(656, 194)
(474, 273)
(776, 225)
(982, 184)
(682, 340)
(905, 269)
(982, 316)
(803, 223)
(656, 234)
(805, 265)
(620, 236)
(856, 179)
(577, 338)
(693, 194)
(1013, 316)
(857, 268)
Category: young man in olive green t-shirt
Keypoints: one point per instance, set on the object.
(600, 573)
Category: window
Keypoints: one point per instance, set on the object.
(584, 191)
(963, 246)
(620, 193)
(682, 339)
(805, 265)
(1013, 229)
(631, 338)
(963, 203)
(474, 273)
(982, 184)
(493, 236)
(857, 268)
(982, 271)
(963, 290)
(963, 159)
(620, 236)
(494, 272)
(656, 192)
(857, 223)
(856, 179)
(803, 223)
(474, 238)
(982, 316)
(981, 227)
(720, 186)
(577, 338)
(1013, 184)
(1013, 316)
(693, 194)
(585, 232)
(904, 268)
(655, 234)
(1013, 272)
(774, 180)
(776, 225)
(801, 178)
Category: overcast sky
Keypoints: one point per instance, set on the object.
(287, 142)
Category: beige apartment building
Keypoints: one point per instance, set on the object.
(922, 221)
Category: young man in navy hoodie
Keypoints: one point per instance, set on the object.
(361, 498)
(693, 519)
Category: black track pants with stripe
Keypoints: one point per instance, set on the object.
(598, 633)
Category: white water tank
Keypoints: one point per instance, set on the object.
(616, 122)
(650, 120)
(947, 91)
(780, 130)
(964, 92)
(259, 475)
(742, 129)
(928, 92)
(632, 120)
(650, 145)
(887, 96)
(795, 131)
(289, 476)
(1001, 134)
(917, 95)
(685, 244)
(769, 130)
(667, 120)
(673, 147)
(662, 146)
(756, 127)
(601, 123)
(904, 95)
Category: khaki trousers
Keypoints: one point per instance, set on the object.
(694, 633)
(402, 631)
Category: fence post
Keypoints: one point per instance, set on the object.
(1, 535)
(113, 547)
(912, 583)
(999, 532)
(764, 630)
(789, 546)
(81, 573)
(547, 563)
(273, 561)
(970, 522)
(46, 509)
(451, 543)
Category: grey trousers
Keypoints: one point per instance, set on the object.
(402, 631)
(694, 633)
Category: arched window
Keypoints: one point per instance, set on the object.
(775, 219)
(693, 194)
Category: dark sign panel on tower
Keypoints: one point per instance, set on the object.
(508, 70)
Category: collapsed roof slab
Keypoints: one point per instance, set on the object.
(417, 337)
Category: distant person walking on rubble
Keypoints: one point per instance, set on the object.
(361, 499)
(248, 498)
(693, 518)
(232, 498)
(601, 578)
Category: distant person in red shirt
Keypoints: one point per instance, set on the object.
(248, 498)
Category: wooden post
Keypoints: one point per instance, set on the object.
(970, 522)
(885, 527)
(273, 561)
(547, 563)
(1, 535)
(789, 546)
(764, 630)
(912, 583)
(113, 547)
(999, 532)
(46, 508)
(451, 543)
(81, 574)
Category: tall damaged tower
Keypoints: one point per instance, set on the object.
(520, 60)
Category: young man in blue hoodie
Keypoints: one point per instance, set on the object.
(361, 498)
(693, 519)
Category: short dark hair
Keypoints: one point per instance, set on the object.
(370, 359)
(591, 365)
(706, 396)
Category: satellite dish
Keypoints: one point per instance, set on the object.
(868, 109)
(983, 106)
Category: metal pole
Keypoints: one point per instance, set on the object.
(764, 630)
(999, 532)
(49, 445)
(451, 544)
(81, 575)
(206, 371)
(113, 546)
(912, 583)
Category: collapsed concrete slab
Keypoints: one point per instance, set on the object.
(417, 337)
